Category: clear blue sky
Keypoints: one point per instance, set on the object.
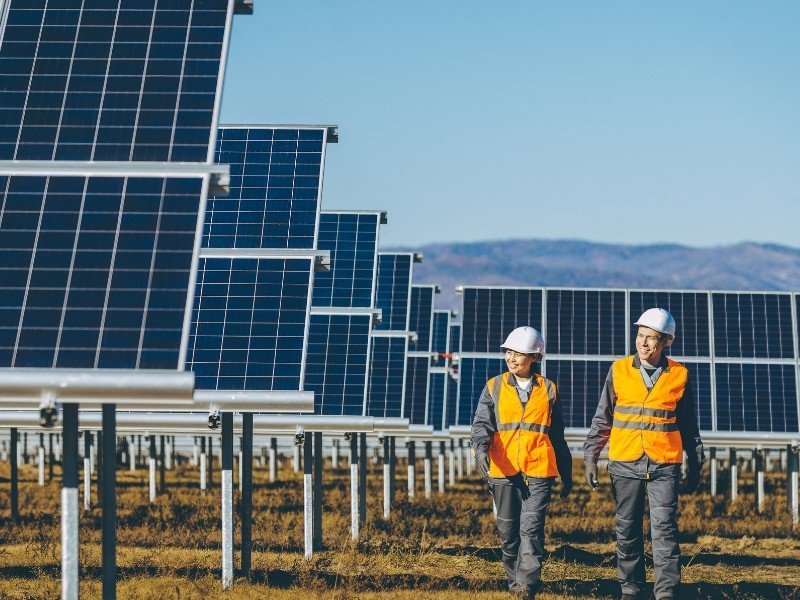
(630, 122)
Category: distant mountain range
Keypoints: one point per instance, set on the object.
(575, 263)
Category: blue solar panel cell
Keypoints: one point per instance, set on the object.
(490, 314)
(117, 80)
(386, 377)
(249, 323)
(421, 316)
(437, 390)
(586, 322)
(96, 270)
(440, 342)
(393, 290)
(756, 397)
(690, 310)
(415, 405)
(474, 373)
(352, 240)
(451, 402)
(700, 380)
(276, 177)
(336, 363)
(579, 384)
(753, 325)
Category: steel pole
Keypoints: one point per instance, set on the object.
(273, 459)
(87, 470)
(387, 492)
(51, 459)
(362, 478)
(354, 491)
(308, 502)
(712, 453)
(427, 468)
(247, 493)
(411, 461)
(758, 462)
(162, 467)
(14, 476)
(203, 464)
(69, 504)
(440, 466)
(40, 459)
(734, 467)
(227, 500)
(109, 502)
(152, 469)
(316, 490)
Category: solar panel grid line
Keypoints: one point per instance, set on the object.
(226, 41)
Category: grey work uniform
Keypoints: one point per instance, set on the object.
(631, 480)
(521, 502)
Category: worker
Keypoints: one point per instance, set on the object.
(518, 441)
(647, 416)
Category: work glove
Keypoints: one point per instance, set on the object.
(692, 480)
(591, 474)
(566, 487)
(482, 464)
(521, 483)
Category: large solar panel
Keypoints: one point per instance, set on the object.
(491, 313)
(585, 322)
(96, 269)
(337, 362)
(437, 389)
(421, 315)
(352, 240)
(753, 325)
(276, 183)
(124, 80)
(690, 310)
(393, 291)
(249, 323)
(474, 373)
(451, 399)
(415, 405)
(756, 397)
(387, 376)
(440, 341)
(579, 383)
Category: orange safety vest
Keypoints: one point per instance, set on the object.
(521, 443)
(645, 422)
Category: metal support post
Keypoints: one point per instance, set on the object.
(210, 461)
(131, 455)
(14, 475)
(316, 490)
(152, 469)
(411, 460)
(758, 463)
(69, 504)
(427, 468)
(24, 447)
(203, 464)
(51, 459)
(273, 459)
(362, 478)
(392, 469)
(87, 470)
(227, 500)
(470, 460)
(98, 455)
(138, 450)
(440, 467)
(451, 466)
(387, 492)
(793, 487)
(308, 503)
(109, 502)
(195, 452)
(92, 454)
(162, 473)
(247, 493)
(712, 453)
(334, 454)
(354, 491)
(296, 459)
(460, 459)
(40, 459)
(734, 467)
(168, 454)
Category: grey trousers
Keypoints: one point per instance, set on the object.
(662, 493)
(521, 514)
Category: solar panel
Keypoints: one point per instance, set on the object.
(440, 341)
(415, 403)
(585, 322)
(421, 316)
(756, 397)
(579, 384)
(437, 388)
(700, 379)
(276, 182)
(336, 362)
(118, 80)
(753, 325)
(491, 313)
(451, 400)
(249, 323)
(386, 376)
(690, 310)
(96, 269)
(474, 373)
(352, 239)
(393, 291)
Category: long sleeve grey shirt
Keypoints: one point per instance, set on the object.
(484, 426)
(644, 467)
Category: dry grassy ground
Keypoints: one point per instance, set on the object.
(443, 548)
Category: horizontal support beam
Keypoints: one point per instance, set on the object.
(263, 401)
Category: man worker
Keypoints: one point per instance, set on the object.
(647, 416)
(518, 440)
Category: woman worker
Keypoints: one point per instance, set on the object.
(518, 440)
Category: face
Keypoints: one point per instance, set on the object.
(649, 345)
(519, 365)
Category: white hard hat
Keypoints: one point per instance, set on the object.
(525, 340)
(660, 320)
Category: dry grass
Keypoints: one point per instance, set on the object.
(442, 548)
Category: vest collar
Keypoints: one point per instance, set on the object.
(663, 363)
(512, 381)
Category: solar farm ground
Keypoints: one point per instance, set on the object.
(443, 548)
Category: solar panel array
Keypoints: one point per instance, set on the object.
(386, 390)
(99, 266)
(741, 348)
(416, 401)
(250, 323)
(438, 384)
(342, 312)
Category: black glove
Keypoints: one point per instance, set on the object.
(692, 479)
(482, 463)
(591, 474)
(566, 487)
(520, 482)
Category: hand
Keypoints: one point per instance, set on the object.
(591, 474)
(692, 480)
(482, 463)
(566, 487)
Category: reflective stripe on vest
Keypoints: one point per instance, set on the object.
(521, 443)
(645, 418)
